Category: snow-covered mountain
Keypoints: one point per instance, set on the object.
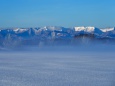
(51, 34)
(88, 30)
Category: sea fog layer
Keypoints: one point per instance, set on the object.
(58, 66)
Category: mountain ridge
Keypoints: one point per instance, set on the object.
(54, 35)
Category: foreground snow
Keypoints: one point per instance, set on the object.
(58, 67)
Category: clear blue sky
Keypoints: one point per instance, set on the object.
(68, 13)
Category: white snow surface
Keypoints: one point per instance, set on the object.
(107, 29)
(20, 30)
(86, 29)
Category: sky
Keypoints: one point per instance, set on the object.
(67, 13)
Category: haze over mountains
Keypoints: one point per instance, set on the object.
(52, 35)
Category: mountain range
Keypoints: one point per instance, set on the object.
(55, 35)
